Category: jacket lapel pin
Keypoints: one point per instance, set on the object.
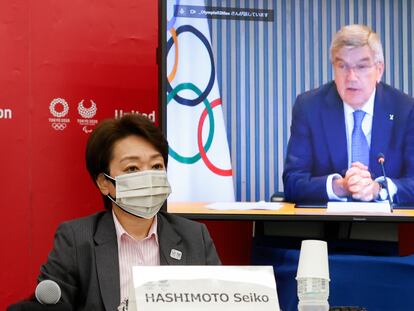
(176, 254)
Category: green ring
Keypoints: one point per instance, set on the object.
(195, 89)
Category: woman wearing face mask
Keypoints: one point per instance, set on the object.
(92, 257)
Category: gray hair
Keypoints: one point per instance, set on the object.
(357, 36)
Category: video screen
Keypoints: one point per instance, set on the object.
(231, 71)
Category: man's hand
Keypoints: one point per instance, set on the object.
(357, 183)
(367, 190)
(339, 187)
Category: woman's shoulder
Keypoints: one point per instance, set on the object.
(87, 223)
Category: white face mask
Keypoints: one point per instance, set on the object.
(143, 193)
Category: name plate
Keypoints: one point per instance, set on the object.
(359, 207)
(203, 288)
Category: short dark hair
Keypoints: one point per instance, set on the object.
(100, 145)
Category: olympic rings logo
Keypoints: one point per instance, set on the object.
(59, 126)
(64, 104)
(172, 93)
(87, 113)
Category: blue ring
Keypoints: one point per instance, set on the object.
(204, 94)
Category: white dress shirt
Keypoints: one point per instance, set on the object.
(368, 108)
(132, 252)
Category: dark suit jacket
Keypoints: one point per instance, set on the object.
(84, 259)
(318, 146)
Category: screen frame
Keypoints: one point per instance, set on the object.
(162, 65)
(288, 212)
(297, 216)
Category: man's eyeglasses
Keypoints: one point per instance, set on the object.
(359, 69)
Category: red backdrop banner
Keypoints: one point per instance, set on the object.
(64, 66)
(15, 220)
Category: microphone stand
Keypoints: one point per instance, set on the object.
(381, 162)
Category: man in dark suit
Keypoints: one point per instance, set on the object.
(92, 257)
(339, 129)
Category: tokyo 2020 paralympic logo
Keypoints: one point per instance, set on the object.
(87, 113)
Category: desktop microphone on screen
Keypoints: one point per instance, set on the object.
(381, 160)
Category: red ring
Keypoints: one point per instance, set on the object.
(203, 154)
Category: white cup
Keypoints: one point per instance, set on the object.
(313, 260)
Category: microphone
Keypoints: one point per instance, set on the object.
(381, 160)
(48, 292)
